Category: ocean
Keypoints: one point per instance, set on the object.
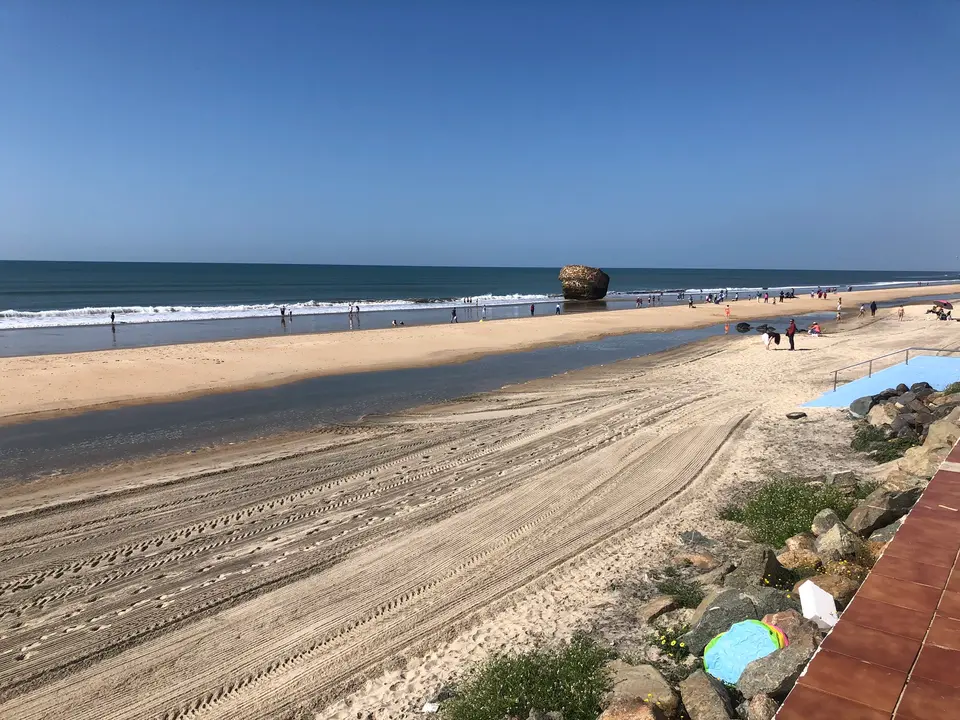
(70, 294)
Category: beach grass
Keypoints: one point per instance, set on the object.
(784, 507)
(687, 593)
(571, 678)
(872, 441)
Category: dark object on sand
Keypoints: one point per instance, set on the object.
(766, 329)
(583, 283)
(743, 327)
(796, 415)
(944, 304)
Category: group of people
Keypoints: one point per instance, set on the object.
(863, 310)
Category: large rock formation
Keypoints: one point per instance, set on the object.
(583, 283)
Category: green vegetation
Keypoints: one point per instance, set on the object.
(866, 436)
(688, 594)
(670, 642)
(871, 440)
(952, 388)
(571, 678)
(784, 507)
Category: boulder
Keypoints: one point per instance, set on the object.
(776, 674)
(922, 385)
(803, 541)
(769, 601)
(705, 698)
(897, 479)
(656, 607)
(887, 394)
(908, 433)
(632, 710)
(885, 534)
(923, 461)
(580, 282)
(903, 420)
(644, 683)
(880, 508)
(823, 521)
(840, 587)
(743, 327)
(882, 414)
(716, 614)
(860, 407)
(758, 567)
(941, 399)
(905, 399)
(702, 561)
(942, 434)
(796, 415)
(716, 576)
(902, 388)
(799, 559)
(838, 543)
(760, 707)
(795, 626)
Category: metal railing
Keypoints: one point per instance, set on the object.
(869, 363)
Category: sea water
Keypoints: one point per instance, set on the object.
(69, 294)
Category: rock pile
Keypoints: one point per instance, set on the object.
(580, 282)
(920, 415)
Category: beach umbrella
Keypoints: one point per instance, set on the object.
(944, 304)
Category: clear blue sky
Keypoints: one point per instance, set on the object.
(747, 133)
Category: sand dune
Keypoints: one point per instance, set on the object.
(58, 384)
(279, 584)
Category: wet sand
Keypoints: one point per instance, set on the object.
(357, 568)
(52, 385)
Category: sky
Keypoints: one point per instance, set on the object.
(651, 133)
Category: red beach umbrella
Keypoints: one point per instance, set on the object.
(944, 304)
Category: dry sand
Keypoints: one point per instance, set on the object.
(380, 557)
(50, 385)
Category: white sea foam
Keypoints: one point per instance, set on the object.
(20, 319)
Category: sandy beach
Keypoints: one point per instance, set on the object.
(52, 385)
(358, 569)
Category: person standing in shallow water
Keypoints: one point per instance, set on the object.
(558, 308)
(453, 316)
(113, 318)
(532, 309)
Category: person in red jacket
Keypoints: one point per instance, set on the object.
(791, 331)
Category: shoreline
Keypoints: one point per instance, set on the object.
(49, 386)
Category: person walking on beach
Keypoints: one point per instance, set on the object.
(558, 308)
(873, 308)
(900, 314)
(532, 309)
(726, 311)
(453, 316)
(791, 331)
(863, 310)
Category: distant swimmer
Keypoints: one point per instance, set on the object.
(558, 308)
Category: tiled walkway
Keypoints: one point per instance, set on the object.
(896, 651)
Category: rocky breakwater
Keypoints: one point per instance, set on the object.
(580, 282)
(926, 422)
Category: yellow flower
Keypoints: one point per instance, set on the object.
(673, 642)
